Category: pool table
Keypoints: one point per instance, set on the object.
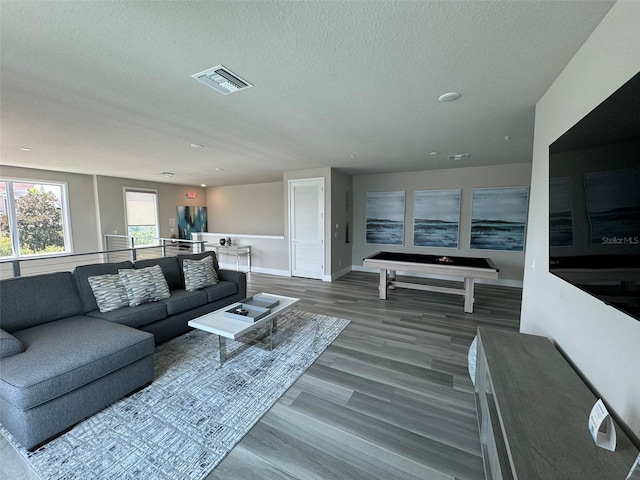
(468, 268)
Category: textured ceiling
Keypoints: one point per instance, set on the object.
(106, 88)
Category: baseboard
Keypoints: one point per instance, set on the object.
(268, 271)
(340, 273)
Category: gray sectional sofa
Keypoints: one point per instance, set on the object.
(62, 359)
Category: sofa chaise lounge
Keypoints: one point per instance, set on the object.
(62, 359)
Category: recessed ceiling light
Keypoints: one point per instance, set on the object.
(25, 149)
(166, 174)
(353, 155)
(449, 97)
(218, 169)
(507, 138)
(197, 145)
(434, 153)
(202, 185)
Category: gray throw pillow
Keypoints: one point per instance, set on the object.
(199, 273)
(162, 288)
(9, 345)
(139, 286)
(109, 292)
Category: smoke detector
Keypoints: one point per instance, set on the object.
(222, 79)
(460, 156)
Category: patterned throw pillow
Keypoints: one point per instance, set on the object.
(162, 288)
(199, 273)
(139, 286)
(109, 292)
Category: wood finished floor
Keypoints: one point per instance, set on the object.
(389, 399)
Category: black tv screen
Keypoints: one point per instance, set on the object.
(594, 201)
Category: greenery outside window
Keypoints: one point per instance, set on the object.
(34, 219)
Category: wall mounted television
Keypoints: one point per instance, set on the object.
(594, 202)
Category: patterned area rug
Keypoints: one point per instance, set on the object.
(195, 411)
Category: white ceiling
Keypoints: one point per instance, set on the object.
(105, 87)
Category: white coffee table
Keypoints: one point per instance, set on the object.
(225, 327)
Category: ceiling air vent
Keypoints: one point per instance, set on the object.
(222, 79)
(462, 156)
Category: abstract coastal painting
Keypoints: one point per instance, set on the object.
(499, 218)
(613, 205)
(560, 218)
(191, 220)
(436, 218)
(385, 218)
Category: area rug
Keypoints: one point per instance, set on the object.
(195, 411)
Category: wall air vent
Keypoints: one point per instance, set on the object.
(461, 156)
(222, 79)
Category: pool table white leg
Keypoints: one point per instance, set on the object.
(383, 284)
(468, 295)
(391, 278)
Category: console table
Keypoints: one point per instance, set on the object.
(533, 410)
(236, 250)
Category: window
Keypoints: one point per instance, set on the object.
(34, 218)
(142, 216)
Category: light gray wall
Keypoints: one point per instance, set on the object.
(246, 209)
(341, 213)
(252, 215)
(511, 264)
(81, 203)
(111, 202)
(603, 343)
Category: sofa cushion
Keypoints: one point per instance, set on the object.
(9, 345)
(33, 300)
(134, 316)
(220, 291)
(183, 300)
(82, 274)
(109, 292)
(61, 356)
(170, 268)
(199, 273)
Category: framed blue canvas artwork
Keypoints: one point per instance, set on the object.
(385, 218)
(436, 218)
(498, 218)
(191, 220)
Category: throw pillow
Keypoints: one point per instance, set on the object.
(199, 273)
(9, 345)
(109, 292)
(162, 288)
(139, 286)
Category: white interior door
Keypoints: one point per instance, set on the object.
(306, 227)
